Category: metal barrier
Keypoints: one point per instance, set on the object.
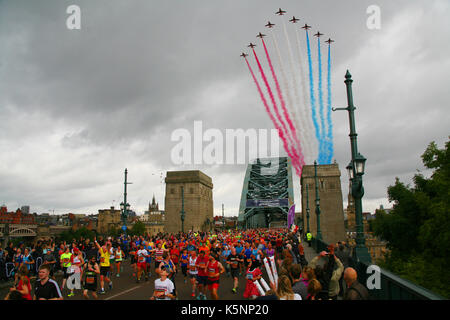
(392, 287)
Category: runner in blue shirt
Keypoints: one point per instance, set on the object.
(184, 264)
(225, 253)
(148, 260)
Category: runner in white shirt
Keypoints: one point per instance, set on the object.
(142, 254)
(193, 272)
(164, 288)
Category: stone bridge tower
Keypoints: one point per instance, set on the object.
(198, 201)
(331, 205)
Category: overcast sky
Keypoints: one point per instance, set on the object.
(77, 107)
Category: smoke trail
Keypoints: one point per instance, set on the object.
(285, 131)
(300, 123)
(312, 98)
(279, 95)
(305, 110)
(283, 73)
(330, 124)
(280, 132)
(321, 111)
(283, 105)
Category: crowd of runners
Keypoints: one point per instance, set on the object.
(201, 259)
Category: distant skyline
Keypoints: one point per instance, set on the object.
(77, 107)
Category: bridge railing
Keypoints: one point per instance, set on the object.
(392, 287)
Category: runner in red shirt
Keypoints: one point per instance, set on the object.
(215, 269)
(202, 278)
(174, 254)
(253, 273)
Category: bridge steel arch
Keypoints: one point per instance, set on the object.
(267, 193)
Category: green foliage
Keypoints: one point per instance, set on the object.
(77, 235)
(418, 228)
(138, 229)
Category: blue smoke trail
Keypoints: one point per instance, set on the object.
(323, 152)
(313, 100)
(330, 124)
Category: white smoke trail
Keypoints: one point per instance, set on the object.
(301, 126)
(306, 110)
(283, 75)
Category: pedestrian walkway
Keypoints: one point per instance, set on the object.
(310, 253)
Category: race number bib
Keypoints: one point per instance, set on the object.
(90, 280)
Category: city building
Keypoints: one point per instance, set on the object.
(16, 217)
(153, 218)
(25, 209)
(197, 189)
(108, 219)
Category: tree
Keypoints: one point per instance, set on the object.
(418, 228)
(138, 228)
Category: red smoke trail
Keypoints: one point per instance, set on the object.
(283, 106)
(280, 132)
(294, 151)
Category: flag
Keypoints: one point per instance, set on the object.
(291, 215)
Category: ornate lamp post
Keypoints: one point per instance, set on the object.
(223, 218)
(356, 170)
(182, 213)
(124, 206)
(319, 232)
(307, 210)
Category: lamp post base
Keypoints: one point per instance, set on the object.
(361, 254)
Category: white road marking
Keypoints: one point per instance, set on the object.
(123, 292)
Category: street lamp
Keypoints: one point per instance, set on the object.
(317, 201)
(350, 171)
(356, 170)
(182, 213)
(307, 210)
(360, 164)
(125, 206)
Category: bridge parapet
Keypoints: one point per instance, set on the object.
(391, 286)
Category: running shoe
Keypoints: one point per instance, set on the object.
(193, 294)
(110, 285)
(71, 294)
(234, 290)
(102, 291)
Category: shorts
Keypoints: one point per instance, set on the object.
(133, 260)
(90, 286)
(142, 265)
(203, 280)
(235, 273)
(193, 276)
(66, 275)
(157, 263)
(213, 284)
(184, 270)
(104, 271)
